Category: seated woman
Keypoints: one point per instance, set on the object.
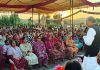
(4, 54)
(64, 38)
(16, 56)
(71, 47)
(26, 49)
(1, 41)
(9, 36)
(17, 39)
(1, 45)
(51, 49)
(76, 40)
(6, 47)
(41, 52)
(59, 45)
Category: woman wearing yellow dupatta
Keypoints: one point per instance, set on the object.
(71, 46)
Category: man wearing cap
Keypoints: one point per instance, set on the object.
(92, 41)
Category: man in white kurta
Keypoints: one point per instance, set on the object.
(90, 59)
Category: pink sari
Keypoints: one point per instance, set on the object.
(41, 53)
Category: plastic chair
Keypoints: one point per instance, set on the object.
(13, 67)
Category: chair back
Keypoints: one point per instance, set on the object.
(1, 50)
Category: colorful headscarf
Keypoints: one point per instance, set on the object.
(59, 67)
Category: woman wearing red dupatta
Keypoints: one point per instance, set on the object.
(60, 46)
(51, 49)
(15, 55)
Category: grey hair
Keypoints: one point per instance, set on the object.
(91, 19)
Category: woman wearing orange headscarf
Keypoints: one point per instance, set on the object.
(71, 46)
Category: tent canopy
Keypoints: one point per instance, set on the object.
(39, 6)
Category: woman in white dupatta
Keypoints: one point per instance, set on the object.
(26, 49)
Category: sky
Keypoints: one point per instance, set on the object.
(83, 15)
(94, 1)
(65, 13)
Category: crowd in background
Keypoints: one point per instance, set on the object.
(25, 46)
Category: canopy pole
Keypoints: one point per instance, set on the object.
(72, 20)
(71, 2)
(39, 18)
(70, 16)
(32, 15)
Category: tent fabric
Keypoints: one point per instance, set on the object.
(40, 6)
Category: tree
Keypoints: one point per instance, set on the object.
(11, 20)
(57, 18)
(14, 19)
(30, 21)
(98, 20)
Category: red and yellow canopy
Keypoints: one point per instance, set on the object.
(42, 6)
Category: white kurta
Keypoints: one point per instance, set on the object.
(30, 57)
(98, 67)
(89, 63)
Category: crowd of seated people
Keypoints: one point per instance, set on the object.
(25, 46)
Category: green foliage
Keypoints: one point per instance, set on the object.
(53, 24)
(11, 20)
(30, 21)
(98, 20)
(57, 18)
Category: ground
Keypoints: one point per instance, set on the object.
(51, 66)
